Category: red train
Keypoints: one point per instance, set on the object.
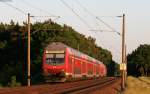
(62, 63)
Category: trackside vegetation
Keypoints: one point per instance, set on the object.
(140, 85)
(139, 61)
(13, 49)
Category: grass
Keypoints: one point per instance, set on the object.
(139, 85)
(145, 79)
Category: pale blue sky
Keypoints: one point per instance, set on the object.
(136, 11)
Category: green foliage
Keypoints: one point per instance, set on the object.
(13, 82)
(13, 49)
(113, 69)
(139, 61)
(1, 85)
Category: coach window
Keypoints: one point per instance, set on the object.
(59, 59)
(55, 59)
(50, 59)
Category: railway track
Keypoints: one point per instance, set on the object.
(79, 87)
(86, 89)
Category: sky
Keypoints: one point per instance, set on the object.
(137, 21)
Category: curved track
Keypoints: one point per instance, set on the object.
(80, 87)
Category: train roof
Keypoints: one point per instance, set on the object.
(61, 46)
(56, 46)
(80, 54)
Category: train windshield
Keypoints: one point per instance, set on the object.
(55, 58)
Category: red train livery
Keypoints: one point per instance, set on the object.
(62, 63)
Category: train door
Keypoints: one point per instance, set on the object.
(89, 69)
(97, 71)
(101, 69)
(83, 68)
(77, 67)
(70, 69)
(94, 69)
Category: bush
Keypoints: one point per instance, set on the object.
(1, 85)
(13, 82)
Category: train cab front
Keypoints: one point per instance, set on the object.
(54, 66)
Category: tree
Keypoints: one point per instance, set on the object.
(139, 61)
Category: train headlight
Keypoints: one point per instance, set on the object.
(66, 73)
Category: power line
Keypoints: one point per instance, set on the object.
(23, 12)
(90, 13)
(5, 0)
(80, 17)
(86, 10)
(113, 30)
(36, 16)
(108, 16)
(15, 8)
(76, 14)
(39, 9)
(42, 16)
(105, 23)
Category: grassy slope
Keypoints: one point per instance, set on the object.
(145, 79)
(138, 85)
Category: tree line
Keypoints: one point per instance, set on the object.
(13, 49)
(139, 61)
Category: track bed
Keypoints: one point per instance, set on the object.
(79, 87)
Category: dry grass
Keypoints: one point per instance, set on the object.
(145, 79)
(138, 85)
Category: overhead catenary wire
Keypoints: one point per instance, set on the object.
(113, 30)
(76, 14)
(42, 16)
(81, 19)
(42, 10)
(36, 16)
(23, 12)
(39, 9)
(86, 10)
(84, 22)
(5, 0)
(18, 9)
(90, 13)
(111, 16)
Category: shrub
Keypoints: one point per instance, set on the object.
(13, 82)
